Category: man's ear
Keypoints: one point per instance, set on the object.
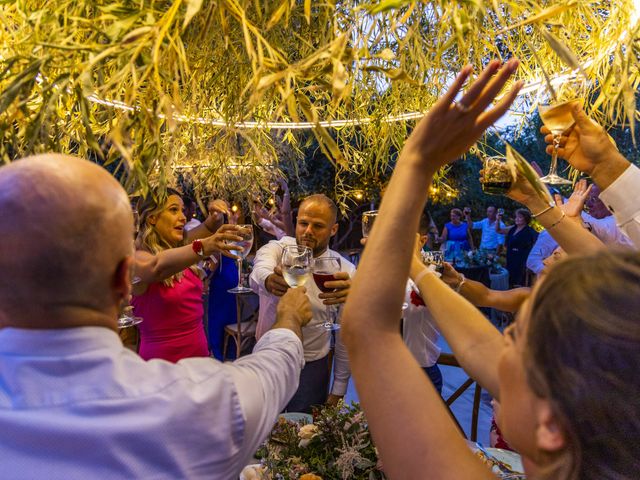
(334, 229)
(423, 239)
(122, 279)
(550, 436)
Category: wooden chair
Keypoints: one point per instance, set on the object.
(450, 360)
(244, 330)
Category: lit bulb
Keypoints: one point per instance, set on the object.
(359, 195)
(271, 201)
(234, 208)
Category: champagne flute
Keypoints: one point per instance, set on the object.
(244, 247)
(297, 261)
(324, 270)
(127, 318)
(557, 117)
(367, 222)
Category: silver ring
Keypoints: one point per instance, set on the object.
(461, 107)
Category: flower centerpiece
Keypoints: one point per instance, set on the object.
(336, 446)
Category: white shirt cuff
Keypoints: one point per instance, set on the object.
(620, 197)
(339, 387)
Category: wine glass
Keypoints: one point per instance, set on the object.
(324, 270)
(367, 222)
(127, 318)
(555, 112)
(497, 177)
(297, 261)
(244, 247)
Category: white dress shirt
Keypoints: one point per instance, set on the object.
(316, 338)
(419, 332)
(621, 198)
(76, 404)
(490, 239)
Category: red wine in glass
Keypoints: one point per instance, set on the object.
(320, 278)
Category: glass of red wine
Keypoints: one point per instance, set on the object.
(324, 270)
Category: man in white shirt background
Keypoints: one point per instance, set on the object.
(599, 220)
(76, 404)
(490, 239)
(315, 225)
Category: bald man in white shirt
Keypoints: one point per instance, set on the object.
(76, 404)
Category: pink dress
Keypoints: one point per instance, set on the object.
(172, 326)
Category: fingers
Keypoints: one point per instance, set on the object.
(470, 97)
(336, 285)
(488, 93)
(447, 98)
(339, 276)
(588, 190)
(491, 116)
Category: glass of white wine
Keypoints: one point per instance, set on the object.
(243, 249)
(555, 112)
(297, 261)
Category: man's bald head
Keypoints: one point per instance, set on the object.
(66, 228)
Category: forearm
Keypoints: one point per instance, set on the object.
(164, 264)
(570, 235)
(472, 338)
(203, 230)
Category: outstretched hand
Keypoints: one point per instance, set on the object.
(575, 204)
(451, 128)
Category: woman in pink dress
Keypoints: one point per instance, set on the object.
(169, 294)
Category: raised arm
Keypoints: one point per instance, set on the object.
(385, 372)
(150, 268)
(588, 149)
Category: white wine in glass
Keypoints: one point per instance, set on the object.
(297, 261)
(244, 247)
(557, 117)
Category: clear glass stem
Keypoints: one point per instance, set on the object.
(239, 262)
(554, 156)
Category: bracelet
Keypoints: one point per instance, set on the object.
(557, 221)
(462, 281)
(536, 215)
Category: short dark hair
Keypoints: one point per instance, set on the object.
(322, 198)
(425, 223)
(525, 213)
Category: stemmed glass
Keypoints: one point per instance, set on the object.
(244, 247)
(555, 113)
(127, 318)
(297, 261)
(324, 270)
(367, 222)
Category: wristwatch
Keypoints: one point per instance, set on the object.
(198, 248)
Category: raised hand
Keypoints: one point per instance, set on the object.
(221, 241)
(450, 128)
(575, 204)
(586, 146)
(295, 305)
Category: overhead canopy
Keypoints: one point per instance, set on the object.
(220, 85)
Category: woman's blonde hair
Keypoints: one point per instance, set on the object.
(582, 354)
(148, 238)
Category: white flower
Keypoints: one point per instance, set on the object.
(306, 433)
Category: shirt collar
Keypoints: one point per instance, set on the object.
(54, 342)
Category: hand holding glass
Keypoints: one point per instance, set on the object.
(556, 115)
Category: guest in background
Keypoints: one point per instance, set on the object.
(519, 242)
(491, 238)
(169, 294)
(456, 236)
(191, 214)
